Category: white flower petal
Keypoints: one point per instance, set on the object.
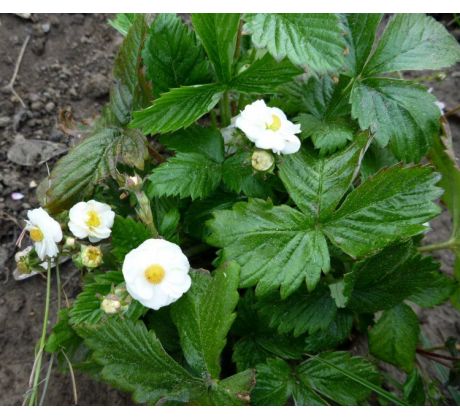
(172, 286)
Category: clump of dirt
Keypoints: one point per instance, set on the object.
(65, 75)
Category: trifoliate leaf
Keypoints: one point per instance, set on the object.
(76, 174)
(196, 139)
(394, 337)
(413, 42)
(265, 76)
(134, 360)
(317, 184)
(129, 92)
(301, 312)
(275, 246)
(204, 315)
(218, 32)
(335, 385)
(172, 55)
(361, 32)
(399, 112)
(240, 177)
(393, 275)
(391, 205)
(310, 40)
(122, 242)
(186, 175)
(178, 108)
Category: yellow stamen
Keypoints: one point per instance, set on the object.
(154, 273)
(93, 220)
(275, 124)
(36, 234)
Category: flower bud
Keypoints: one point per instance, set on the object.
(262, 160)
(70, 243)
(111, 304)
(22, 261)
(91, 256)
(133, 182)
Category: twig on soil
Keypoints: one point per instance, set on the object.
(437, 355)
(10, 85)
(452, 111)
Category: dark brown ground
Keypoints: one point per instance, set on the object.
(67, 63)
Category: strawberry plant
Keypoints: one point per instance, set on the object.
(250, 204)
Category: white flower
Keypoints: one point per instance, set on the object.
(269, 128)
(156, 273)
(45, 233)
(91, 219)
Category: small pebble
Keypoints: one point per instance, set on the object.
(50, 107)
(5, 122)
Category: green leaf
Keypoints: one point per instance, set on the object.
(172, 55)
(394, 337)
(240, 177)
(317, 184)
(275, 246)
(167, 217)
(200, 211)
(76, 174)
(413, 42)
(122, 22)
(399, 112)
(332, 383)
(129, 92)
(327, 119)
(265, 76)
(362, 29)
(178, 108)
(392, 205)
(134, 360)
(414, 389)
(333, 335)
(122, 242)
(274, 383)
(186, 175)
(334, 376)
(63, 335)
(314, 41)
(204, 316)
(218, 33)
(196, 139)
(234, 390)
(301, 312)
(328, 136)
(393, 275)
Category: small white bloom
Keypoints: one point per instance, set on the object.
(156, 273)
(91, 219)
(44, 231)
(269, 128)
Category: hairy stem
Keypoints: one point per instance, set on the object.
(225, 110)
(450, 244)
(41, 346)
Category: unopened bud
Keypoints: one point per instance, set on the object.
(91, 256)
(133, 182)
(22, 261)
(111, 304)
(70, 243)
(262, 160)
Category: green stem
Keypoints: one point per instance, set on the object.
(41, 347)
(450, 244)
(225, 109)
(213, 119)
(58, 283)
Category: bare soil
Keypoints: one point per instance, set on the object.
(67, 67)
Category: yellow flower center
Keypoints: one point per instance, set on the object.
(154, 273)
(93, 220)
(275, 125)
(36, 234)
(93, 253)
